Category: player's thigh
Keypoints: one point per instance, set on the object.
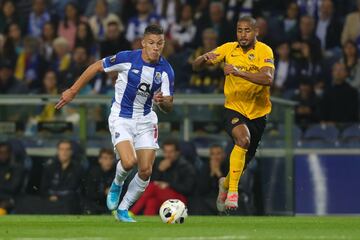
(147, 133)
(241, 135)
(235, 126)
(121, 129)
(122, 136)
(256, 128)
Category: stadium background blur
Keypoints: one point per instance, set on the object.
(308, 161)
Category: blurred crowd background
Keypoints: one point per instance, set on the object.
(46, 44)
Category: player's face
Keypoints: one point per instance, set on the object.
(153, 45)
(246, 34)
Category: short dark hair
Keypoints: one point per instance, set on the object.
(172, 141)
(106, 151)
(154, 29)
(64, 141)
(215, 145)
(248, 19)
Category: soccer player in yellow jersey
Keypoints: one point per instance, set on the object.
(249, 70)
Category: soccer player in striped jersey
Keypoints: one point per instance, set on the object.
(144, 77)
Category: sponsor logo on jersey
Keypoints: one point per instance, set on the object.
(251, 68)
(117, 134)
(143, 89)
(157, 78)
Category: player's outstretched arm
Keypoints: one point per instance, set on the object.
(264, 77)
(200, 61)
(69, 94)
(165, 103)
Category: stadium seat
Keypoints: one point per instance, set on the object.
(321, 135)
(351, 133)
(275, 136)
(350, 137)
(207, 141)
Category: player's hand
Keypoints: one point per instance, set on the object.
(230, 69)
(66, 97)
(209, 56)
(164, 165)
(158, 97)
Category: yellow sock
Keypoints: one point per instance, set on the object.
(237, 162)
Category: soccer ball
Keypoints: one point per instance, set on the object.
(173, 211)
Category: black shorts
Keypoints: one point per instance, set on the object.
(256, 127)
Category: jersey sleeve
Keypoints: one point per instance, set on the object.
(167, 85)
(116, 62)
(221, 51)
(266, 58)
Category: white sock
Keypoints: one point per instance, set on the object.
(121, 174)
(136, 188)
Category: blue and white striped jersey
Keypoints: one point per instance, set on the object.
(137, 82)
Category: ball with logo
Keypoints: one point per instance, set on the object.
(173, 211)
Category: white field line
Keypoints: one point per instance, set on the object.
(59, 238)
(322, 237)
(202, 238)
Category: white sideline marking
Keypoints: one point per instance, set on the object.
(71, 238)
(202, 238)
(247, 237)
(319, 180)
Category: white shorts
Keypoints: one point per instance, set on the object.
(142, 131)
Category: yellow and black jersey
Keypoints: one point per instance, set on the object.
(249, 99)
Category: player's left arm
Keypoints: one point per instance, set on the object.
(164, 98)
(264, 77)
(165, 103)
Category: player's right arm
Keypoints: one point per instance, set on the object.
(108, 64)
(201, 60)
(69, 94)
(212, 57)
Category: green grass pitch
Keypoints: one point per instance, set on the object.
(195, 228)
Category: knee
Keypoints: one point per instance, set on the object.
(243, 142)
(145, 173)
(128, 163)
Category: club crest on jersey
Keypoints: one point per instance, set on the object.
(251, 57)
(112, 59)
(157, 78)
